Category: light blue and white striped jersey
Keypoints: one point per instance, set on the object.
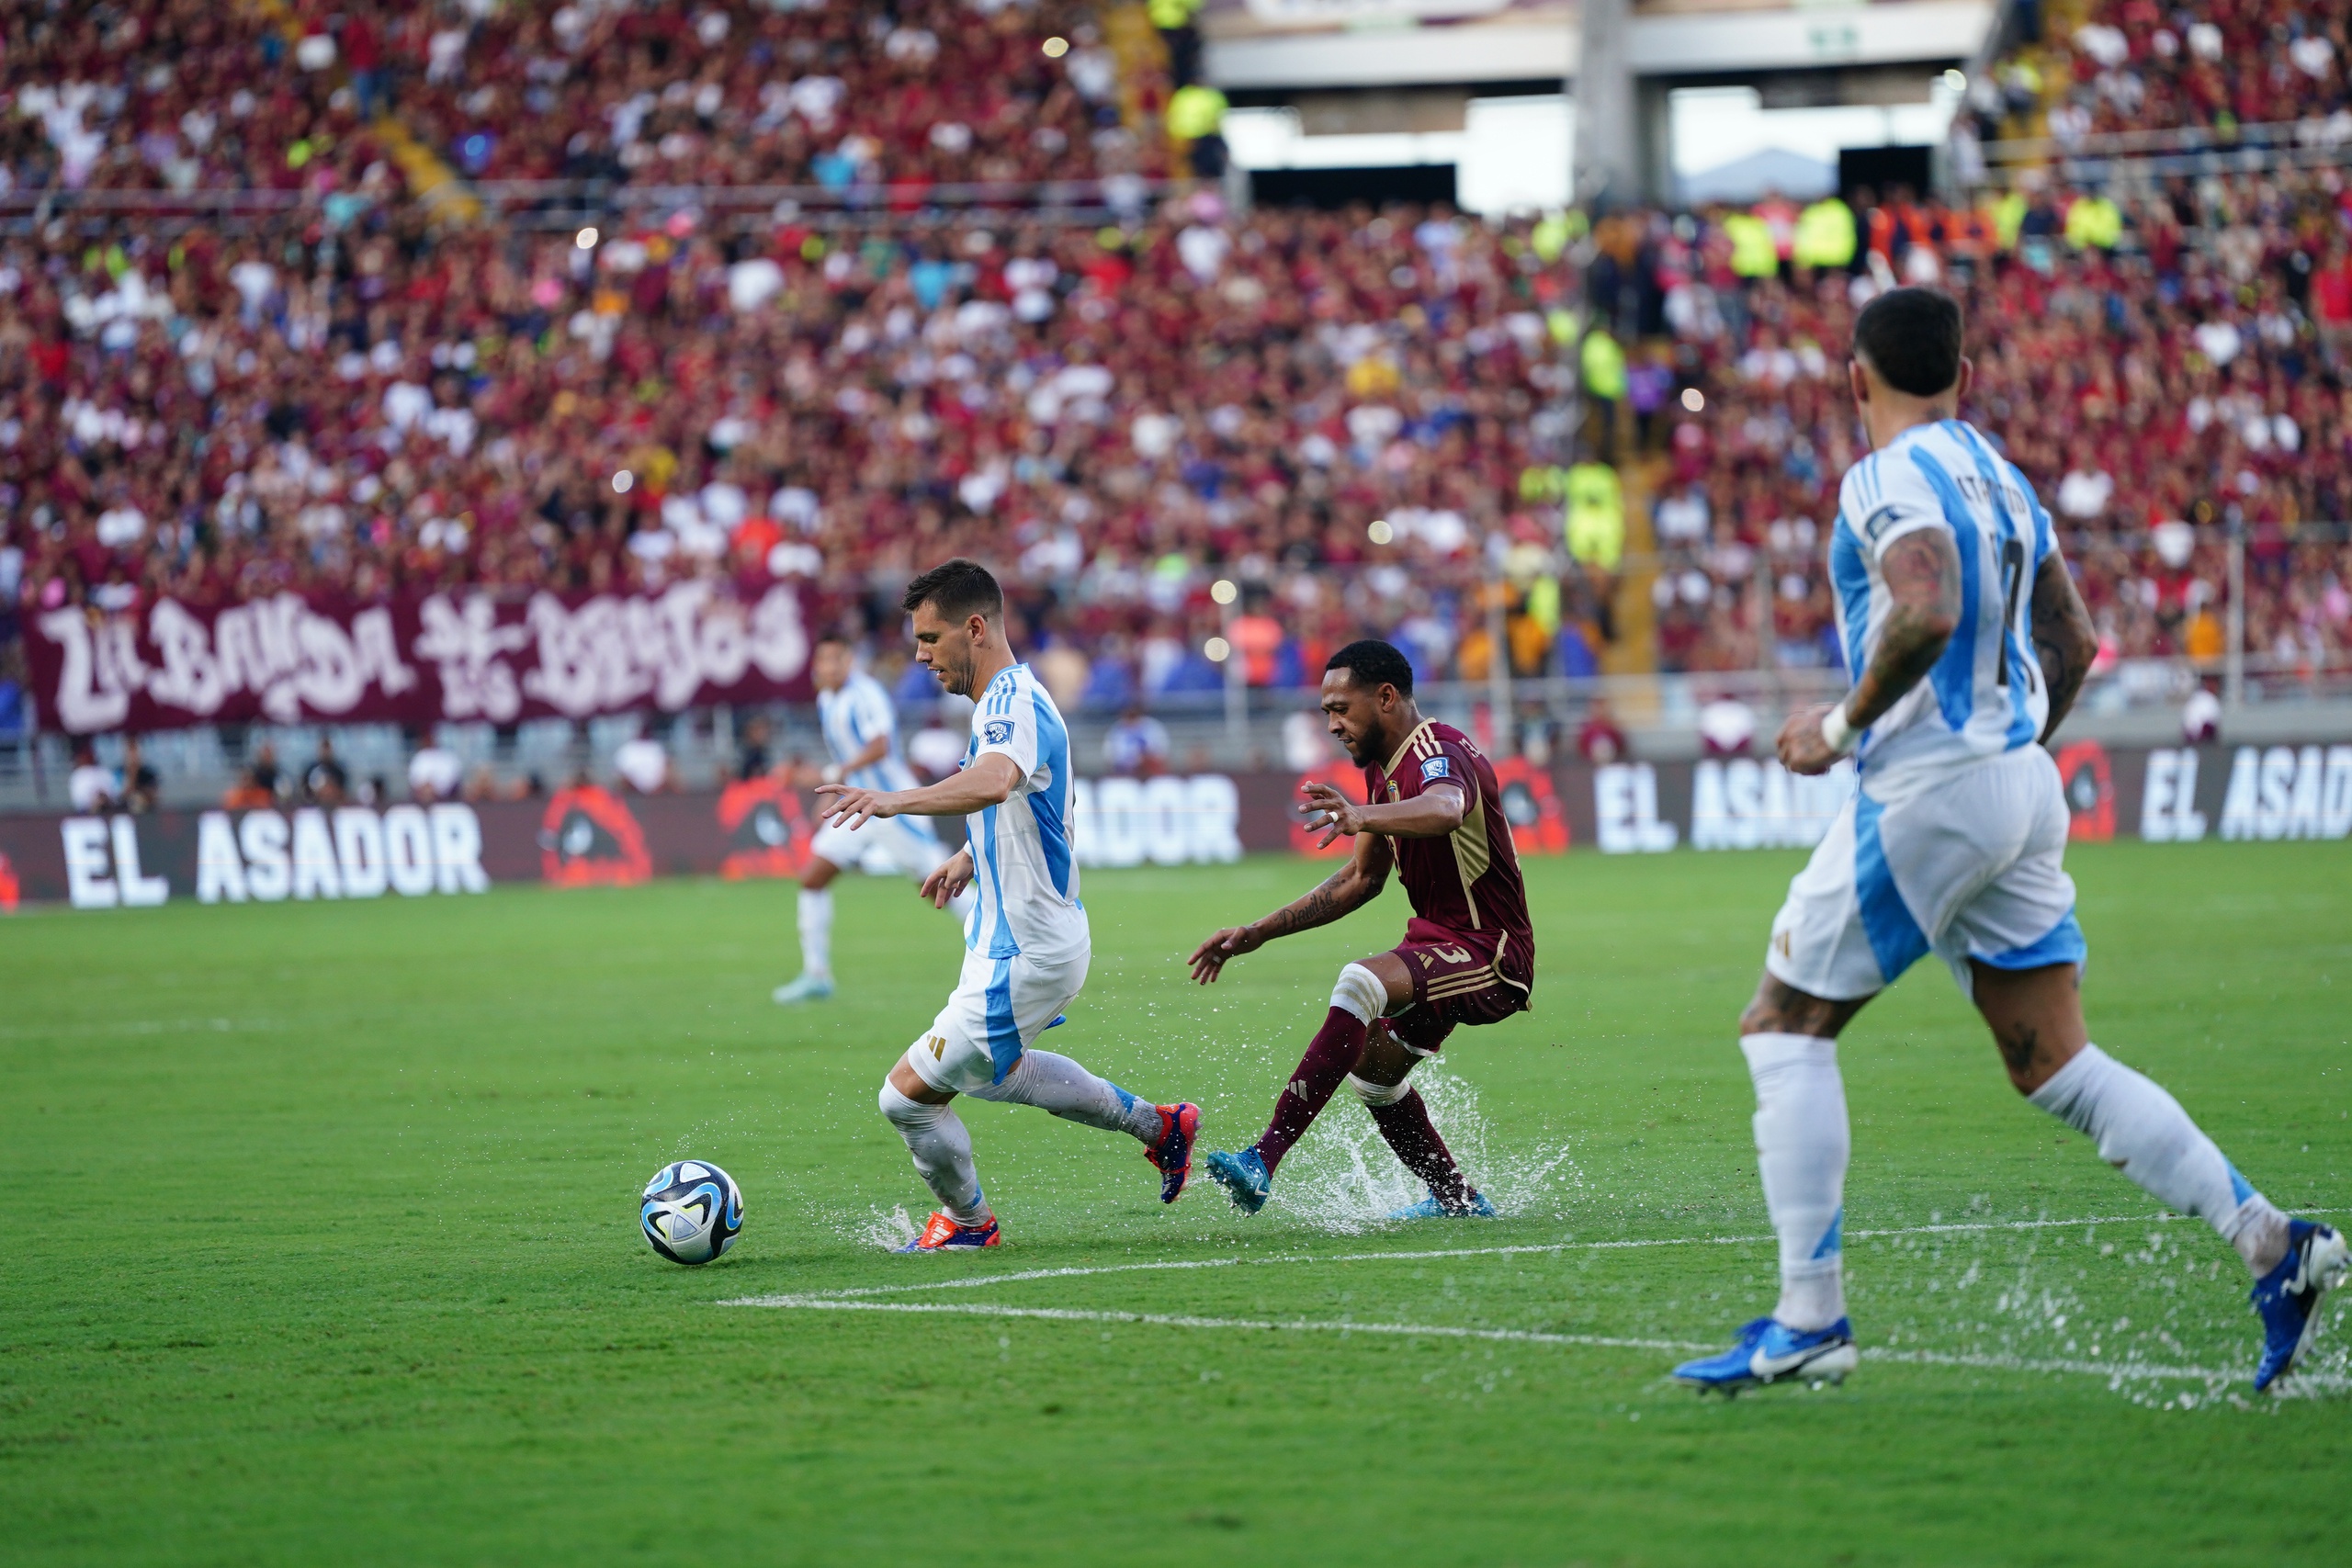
(850, 719)
(1985, 697)
(1022, 865)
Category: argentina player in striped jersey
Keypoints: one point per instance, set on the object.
(1968, 642)
(861, 732)
(1026, 941)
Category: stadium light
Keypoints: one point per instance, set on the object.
(1694, 399)
(1381, 532)
(1224, 592)
(586, 239)
(623, 482)
(1218, 649)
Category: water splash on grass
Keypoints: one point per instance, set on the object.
(1344, 1178)
(885, 1232)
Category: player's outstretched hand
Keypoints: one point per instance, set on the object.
(1325, 807)
(840, 805)
(1208, 959)
(1801, 748)
(953, 875)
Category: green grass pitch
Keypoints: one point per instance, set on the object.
(326, 1248)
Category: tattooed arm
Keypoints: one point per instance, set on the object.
(2063, 637)
(1350, 888)
(1922, 572)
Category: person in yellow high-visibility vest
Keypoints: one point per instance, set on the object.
(1753, 254)
(1596, 516)
(2094, 223)
(1601, 364)
(1196, 119)
(1826, 236)
(1595, 525)
(1173, 18)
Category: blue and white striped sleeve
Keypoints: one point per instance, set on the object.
(1006, 722)
(2045, 533)
(1899, 499)
(871, 715)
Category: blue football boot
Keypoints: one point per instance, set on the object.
(2288, 1296)
(806, 988)
(1244, 1177)
(1433, 1208)
(1768, 1351)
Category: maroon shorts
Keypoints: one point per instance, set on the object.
(1453, 982)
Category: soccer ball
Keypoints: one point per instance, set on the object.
(691, 1211)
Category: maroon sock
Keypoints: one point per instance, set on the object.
(1338, 1046)
(1409, 1131)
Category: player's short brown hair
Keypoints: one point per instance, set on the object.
(956, 588)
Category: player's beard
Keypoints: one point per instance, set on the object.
(955, 667)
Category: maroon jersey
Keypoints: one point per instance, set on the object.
(1466, 886)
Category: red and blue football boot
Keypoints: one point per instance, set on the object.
(943, 1234)
(1179, 1125)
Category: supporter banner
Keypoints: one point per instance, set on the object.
(445, 656)
(592, 837)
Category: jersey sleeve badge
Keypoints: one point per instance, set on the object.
(1436, 768)
(999, 731)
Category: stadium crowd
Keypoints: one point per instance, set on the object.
(172, 95)
(2190, 377)
(1358, 418)
(2118, 67)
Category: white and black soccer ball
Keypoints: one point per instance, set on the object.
(691, 1211)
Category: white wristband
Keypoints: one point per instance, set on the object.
(1837, 732)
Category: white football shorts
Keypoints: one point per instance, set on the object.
(999, 1008)
(1970, 869)
(902, 842)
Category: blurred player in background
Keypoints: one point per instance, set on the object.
(1026, 945)
(1468, 957)
(1969, 643)
(862, 735)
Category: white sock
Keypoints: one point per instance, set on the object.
(1058, 1085)
(2143, 1132)
(816, 931)
(942, 1147)
(1802, 1145)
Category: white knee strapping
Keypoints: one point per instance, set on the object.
(941, 1147)
(1378, 1094)
(904, 1111)
(1361, 992)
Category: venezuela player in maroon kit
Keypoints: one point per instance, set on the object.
(1436, 816)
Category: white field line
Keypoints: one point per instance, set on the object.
(1178, 1320)
(970, 1281)
(2114, 1372)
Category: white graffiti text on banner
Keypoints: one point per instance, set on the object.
(1742, 804)
(613, 653)
(278, 648)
